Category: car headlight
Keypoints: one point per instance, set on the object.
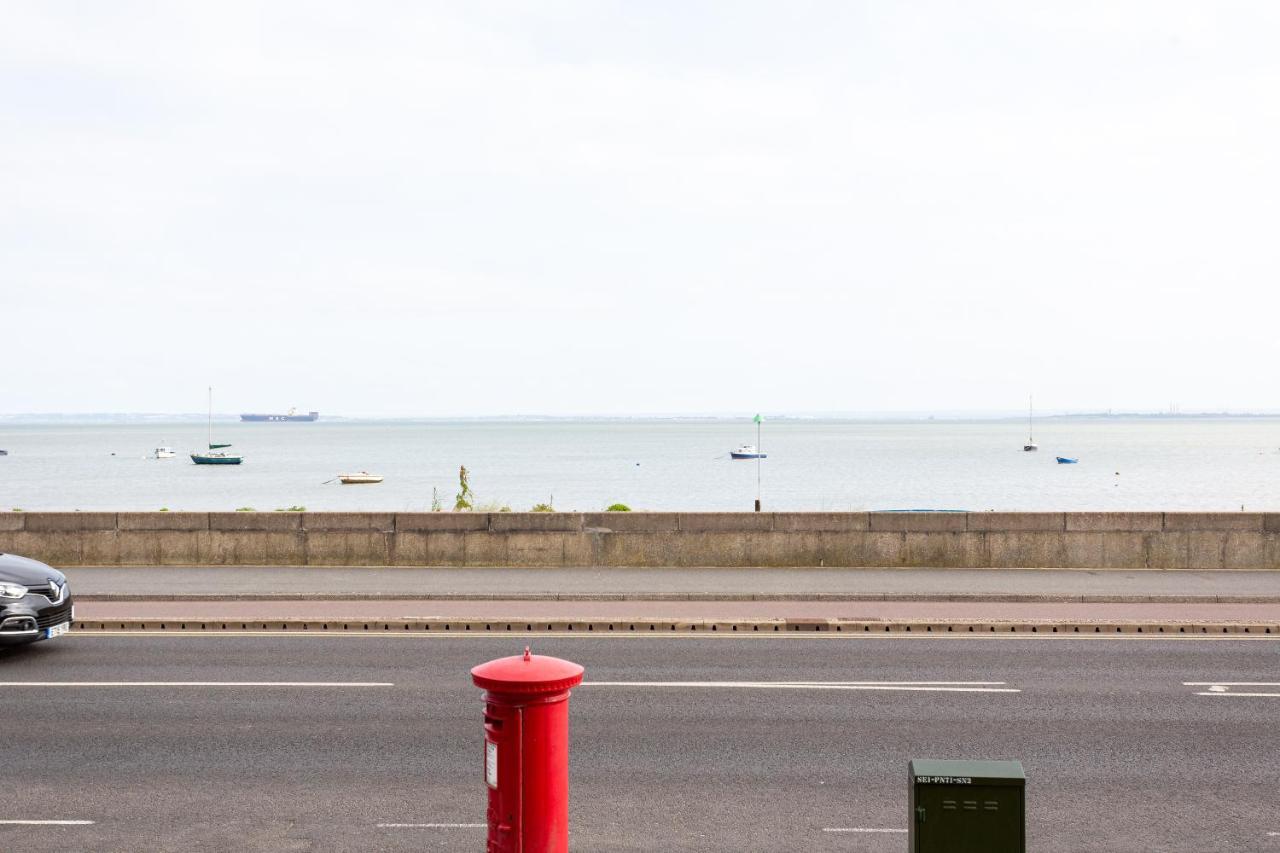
(12, 590)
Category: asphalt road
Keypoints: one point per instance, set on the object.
(1120, 753)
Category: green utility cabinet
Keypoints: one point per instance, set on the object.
(967, 807)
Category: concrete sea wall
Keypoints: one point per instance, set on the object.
(1101, 540)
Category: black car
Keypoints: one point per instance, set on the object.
(35, 601)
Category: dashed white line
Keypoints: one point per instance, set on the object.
(1255, 695)
(860, 829)
(1223, 688)
(908, 686)
(196, 684)
(46, 822)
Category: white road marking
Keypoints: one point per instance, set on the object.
(46, 822)
(196, 684)
(1223, 688)
(860, 829)
(432, 825)
(924, 686)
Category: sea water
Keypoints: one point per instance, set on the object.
(660, 464)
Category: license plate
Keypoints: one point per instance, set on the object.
(56, 630)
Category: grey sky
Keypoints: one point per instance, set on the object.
(559, 207)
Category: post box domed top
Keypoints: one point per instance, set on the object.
(527, 673)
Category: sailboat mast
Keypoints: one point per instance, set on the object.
(1031, 438)
(209, 432)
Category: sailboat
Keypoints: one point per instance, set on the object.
(1031, 439)
(215, 455)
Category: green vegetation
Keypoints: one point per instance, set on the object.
(491, 506)
(16, 509)
(245, 509)
(543, 508)
(436, 506)
(291, 509)
(463, 500)
(617, 508)
(164, 509)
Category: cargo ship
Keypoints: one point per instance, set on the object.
(292, 415)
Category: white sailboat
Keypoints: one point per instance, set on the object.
(1031, 439)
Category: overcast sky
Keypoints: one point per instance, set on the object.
(621, 208)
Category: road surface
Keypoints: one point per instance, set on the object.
(374, 743)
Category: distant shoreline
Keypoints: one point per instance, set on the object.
(125, 418)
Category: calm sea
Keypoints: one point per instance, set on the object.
(1167, 463)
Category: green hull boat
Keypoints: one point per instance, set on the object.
(216, 459)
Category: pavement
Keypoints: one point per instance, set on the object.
(373, 742)
(213, 598)
(718, 584)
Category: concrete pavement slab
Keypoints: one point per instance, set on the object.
(699, 583)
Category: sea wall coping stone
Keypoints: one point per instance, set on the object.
(68, 522)
(162, 521)
(821, 522)
(919, 522)
(732, 522)
(231, 522)
(1016, 522)
(631, 522)
(1248, 521)
(442, 522)
(561, 522)
(1099, 522)
(378, 521)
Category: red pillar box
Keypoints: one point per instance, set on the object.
(526, 751)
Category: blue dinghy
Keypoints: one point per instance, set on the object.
(1063, 460)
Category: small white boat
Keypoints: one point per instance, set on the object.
(165, 453)
(747, 451)
(359, 478)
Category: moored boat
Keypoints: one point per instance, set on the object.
(1066, 460)
(747, 451)
(165, 452)
(216, 457)
(291, 416)
(359, 478)
(1031, 438)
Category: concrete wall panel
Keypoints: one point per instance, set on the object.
(484, 549)
(253, 548)
(347, 548)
